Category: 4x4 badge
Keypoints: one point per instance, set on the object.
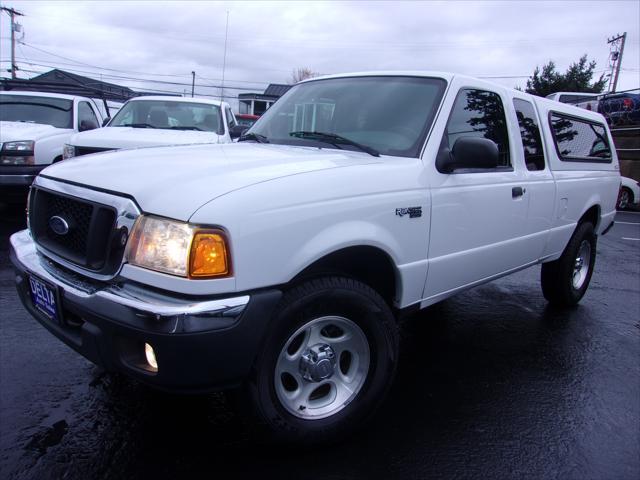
(413, 212)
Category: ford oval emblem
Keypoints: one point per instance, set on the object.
(59, 225)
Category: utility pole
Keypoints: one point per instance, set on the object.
(615, 59)
(193, 82)
(224, 58)
(13, 13)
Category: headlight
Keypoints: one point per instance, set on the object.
(68, 152)
(178, 248)
(17, 153)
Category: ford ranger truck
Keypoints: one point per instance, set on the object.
(34, 127)
(278, 266)
(151, 121)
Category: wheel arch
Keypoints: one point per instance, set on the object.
(592, 215)
(369, 264)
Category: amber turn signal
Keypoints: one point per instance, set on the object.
(208, 255)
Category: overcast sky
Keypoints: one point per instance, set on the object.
(165, 41)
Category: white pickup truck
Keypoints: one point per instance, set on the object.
(34, 127)
(281, 263)
(151, 121)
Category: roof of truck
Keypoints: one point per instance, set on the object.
(42, 94)
(177, 99)
(448, 76)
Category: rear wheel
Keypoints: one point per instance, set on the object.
(624, 198)
(328, 362)
(565, 281)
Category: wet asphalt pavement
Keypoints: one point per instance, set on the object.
(492, 384)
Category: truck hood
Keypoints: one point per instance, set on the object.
(129, 137)
(175, 181)
(15, 131)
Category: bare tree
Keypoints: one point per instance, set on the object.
(302, 73)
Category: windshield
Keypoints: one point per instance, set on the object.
(170, 115)
(390, 115)
(57, 112)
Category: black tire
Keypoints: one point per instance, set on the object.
(557, 277)
(625, 197)
(313, 299)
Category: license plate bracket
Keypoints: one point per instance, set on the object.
(45, 297)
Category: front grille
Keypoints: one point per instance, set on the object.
(87, 150)
(91, 241)
(77, 214)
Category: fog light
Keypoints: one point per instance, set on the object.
(151, 356)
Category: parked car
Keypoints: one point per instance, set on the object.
(629, 195)
(34, 127)
(588, 101)
(280, 264)
(159, 120)
(246, 120)
(621, 108)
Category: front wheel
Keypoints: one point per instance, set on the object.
(328, 362)
(565, 281)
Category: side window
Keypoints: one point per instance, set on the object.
(478, 113)
(530, 134)
(86, 114)
(579, 139)
(231, 121)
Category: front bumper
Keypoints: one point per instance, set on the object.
(19, 175)
(200, 344)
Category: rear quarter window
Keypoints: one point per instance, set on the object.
(579, 140)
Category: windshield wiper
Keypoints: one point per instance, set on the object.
(136, 125)
(253, 136)
(334, 139)
(186, 128)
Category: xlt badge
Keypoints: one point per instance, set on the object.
(413, 212)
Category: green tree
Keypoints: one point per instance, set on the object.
(577, 78)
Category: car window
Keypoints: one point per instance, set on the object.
(231, 121)
(479, 113)
(579, 139)
(171, 115)
(530, 134)
(57, 112)
(387, 113)
(86, 114)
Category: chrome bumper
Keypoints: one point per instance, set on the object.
(127, 303)
(200, 345)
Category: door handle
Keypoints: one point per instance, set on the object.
(517, 192)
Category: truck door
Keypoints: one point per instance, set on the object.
(541, 187)
(479, 215)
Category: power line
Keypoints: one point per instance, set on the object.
(77, 62)
(136, 79)
(58, 63)
(156, 90)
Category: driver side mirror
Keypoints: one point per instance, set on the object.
(469, 152)
(87, 125)
(105, 121)
(237, 131)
